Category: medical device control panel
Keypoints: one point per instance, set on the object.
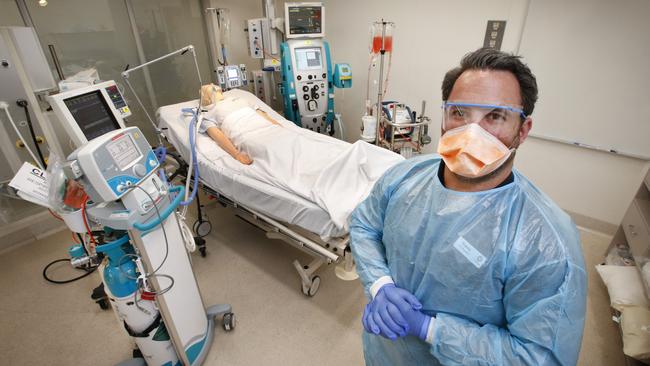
(113, 163)
(232, 76)
(89, 112)
(342, 76)
(309, 87)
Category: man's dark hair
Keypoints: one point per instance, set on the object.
(491, 59)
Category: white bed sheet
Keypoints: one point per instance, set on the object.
(221, 173)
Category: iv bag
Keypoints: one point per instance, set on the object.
(223, 19)
(376, 37)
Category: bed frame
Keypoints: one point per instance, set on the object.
(333, 251)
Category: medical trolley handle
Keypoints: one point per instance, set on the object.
(165, 214)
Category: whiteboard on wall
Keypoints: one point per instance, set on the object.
(592, 63)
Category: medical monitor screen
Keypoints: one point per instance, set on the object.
(308, 59)
(305, 20)
(123, 151)
(92, 114)
(232, 73)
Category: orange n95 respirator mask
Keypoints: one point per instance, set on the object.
(467, 148)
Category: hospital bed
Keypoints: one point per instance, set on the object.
(280, 214)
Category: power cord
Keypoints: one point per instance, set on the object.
(155, 272)
(23, 103)
(60, 282)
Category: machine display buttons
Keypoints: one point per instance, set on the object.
(305, 96)
(324, 76)
(315, 87)
(309, 77)
(299, 77)
(305, 88)
(316, 96)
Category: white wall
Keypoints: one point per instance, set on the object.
(430, 38)
(590, 57)
(9, 15)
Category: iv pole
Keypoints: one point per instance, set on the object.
(128, 71)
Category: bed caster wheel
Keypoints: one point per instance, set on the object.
(229, 321)
(203, 251)
(103, 304)
(311, 290)
(202, 228)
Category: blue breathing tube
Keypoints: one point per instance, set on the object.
(194, 162)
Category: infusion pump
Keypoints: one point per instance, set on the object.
(232, 76)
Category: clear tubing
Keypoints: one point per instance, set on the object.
(380, 87)
(368, 104)
(390, 62)
(223, 19)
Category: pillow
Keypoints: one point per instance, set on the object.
(635, 327)
(624, 285)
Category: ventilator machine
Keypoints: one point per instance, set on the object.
(146, 268)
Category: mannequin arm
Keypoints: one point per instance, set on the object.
(267, 117)
(224, 142)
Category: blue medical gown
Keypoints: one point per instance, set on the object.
(501, 270)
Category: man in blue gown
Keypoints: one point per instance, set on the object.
(464, 260)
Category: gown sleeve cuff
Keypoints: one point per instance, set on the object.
(430, 332)
(374, 288)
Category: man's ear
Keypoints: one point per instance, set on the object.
(526, 126)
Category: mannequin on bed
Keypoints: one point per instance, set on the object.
(319, 168)
(218, 107)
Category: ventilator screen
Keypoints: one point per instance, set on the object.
(92, 114)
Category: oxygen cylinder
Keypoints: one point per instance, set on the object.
(140, 317)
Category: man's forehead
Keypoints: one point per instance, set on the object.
(487, 86)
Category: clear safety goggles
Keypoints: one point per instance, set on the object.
(492, 117)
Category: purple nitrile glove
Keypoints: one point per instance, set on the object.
(382, 316)
(418, 322)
